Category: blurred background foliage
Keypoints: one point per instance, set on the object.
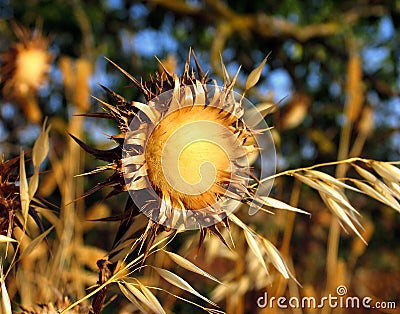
(330, 62)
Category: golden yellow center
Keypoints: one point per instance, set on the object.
(188, 155)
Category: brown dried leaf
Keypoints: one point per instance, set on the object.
(254, 115)
(339, 196)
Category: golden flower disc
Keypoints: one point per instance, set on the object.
(189, 155)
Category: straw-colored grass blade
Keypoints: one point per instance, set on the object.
(23, 188)
(326, 189)
(184, 263)
(33, 185)
(277, 260)
(387, 194)
(386, 171)
(272, 202)
(364, 173)
(4, 238)
(5, 298)
(133, 295)
(395, 188)
(339, 196)
(340, 212)
(255, 247)
(369, 190)
(180, 283)
(254, 75)
(41, 146)
(34, 243)
(155, 304)
(329, 179)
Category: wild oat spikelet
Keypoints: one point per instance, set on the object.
(183, 155)
(24, 69)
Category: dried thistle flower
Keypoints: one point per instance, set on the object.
(183, 155)
(24, 70)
